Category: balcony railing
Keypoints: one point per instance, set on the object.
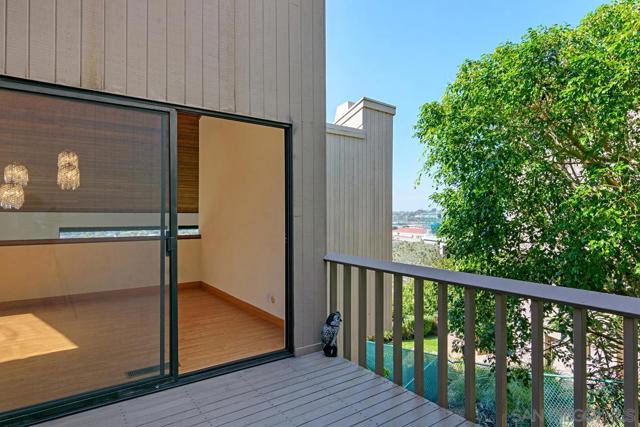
(581, 301)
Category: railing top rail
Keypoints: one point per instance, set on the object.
(591, 300)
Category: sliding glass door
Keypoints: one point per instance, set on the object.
(84, 214)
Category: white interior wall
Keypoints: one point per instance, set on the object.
(189, 260)
(242, 211)
(41, 271)
(49, 270)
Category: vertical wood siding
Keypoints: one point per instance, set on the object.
(42, 39)
(115, 46)
(157, 50)
(260, 58)
(92, 35)
(359, 196)
(17, 38)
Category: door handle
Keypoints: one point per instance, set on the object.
(171, 244)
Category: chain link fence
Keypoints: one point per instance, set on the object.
(558, 390)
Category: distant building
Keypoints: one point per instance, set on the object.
(410, 234)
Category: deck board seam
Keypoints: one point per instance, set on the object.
(171, 422)
(322, 397)
(351, 405)
(267, 399)
(379, 413)
(435, 422)
(302, 380)
(155, 420)
(345, 405)
(433, 409)
(193, 402)
(422, 405)
(323, 384)
(302, 374)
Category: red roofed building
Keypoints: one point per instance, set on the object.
(409, 234)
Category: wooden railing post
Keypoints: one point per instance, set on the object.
(397, 329)
(630, 372)
(501, 361)
(362, 317)
(579, 367)
(333, 287)
(379, 322)
(470, 354)
(537, 363)
(418, 347)
(346, 315)
(443, 346)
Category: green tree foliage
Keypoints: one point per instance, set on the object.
(535, 149)
(417, 253)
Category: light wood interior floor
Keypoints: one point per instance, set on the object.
(214, 331)
(65, 346)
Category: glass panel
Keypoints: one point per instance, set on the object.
(78, 316)
(110, 232)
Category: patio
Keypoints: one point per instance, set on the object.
(312, 391)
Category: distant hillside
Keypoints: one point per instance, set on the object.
(422, 217)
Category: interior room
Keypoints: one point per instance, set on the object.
(84, 273)
(231, 184)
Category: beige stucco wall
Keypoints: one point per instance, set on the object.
(189, 261)
(242, 211)
(41, 271)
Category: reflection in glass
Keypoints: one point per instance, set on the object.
(68, 170)
(11, 196)
(78, 317)
(16, 174)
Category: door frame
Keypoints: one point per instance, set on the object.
(289, 347)
(85, 401)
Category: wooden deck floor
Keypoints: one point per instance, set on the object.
(305, 391)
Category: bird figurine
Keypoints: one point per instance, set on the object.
(329, 334)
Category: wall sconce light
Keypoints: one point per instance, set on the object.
(68, 170)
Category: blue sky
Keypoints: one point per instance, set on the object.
(405, 52)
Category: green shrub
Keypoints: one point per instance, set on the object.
(387, 373)
(409, 326)
(408, 309)
(518, 396)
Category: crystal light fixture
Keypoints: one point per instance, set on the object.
(16, 174)
(11, 196)
(68, 170)
(67, 157)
